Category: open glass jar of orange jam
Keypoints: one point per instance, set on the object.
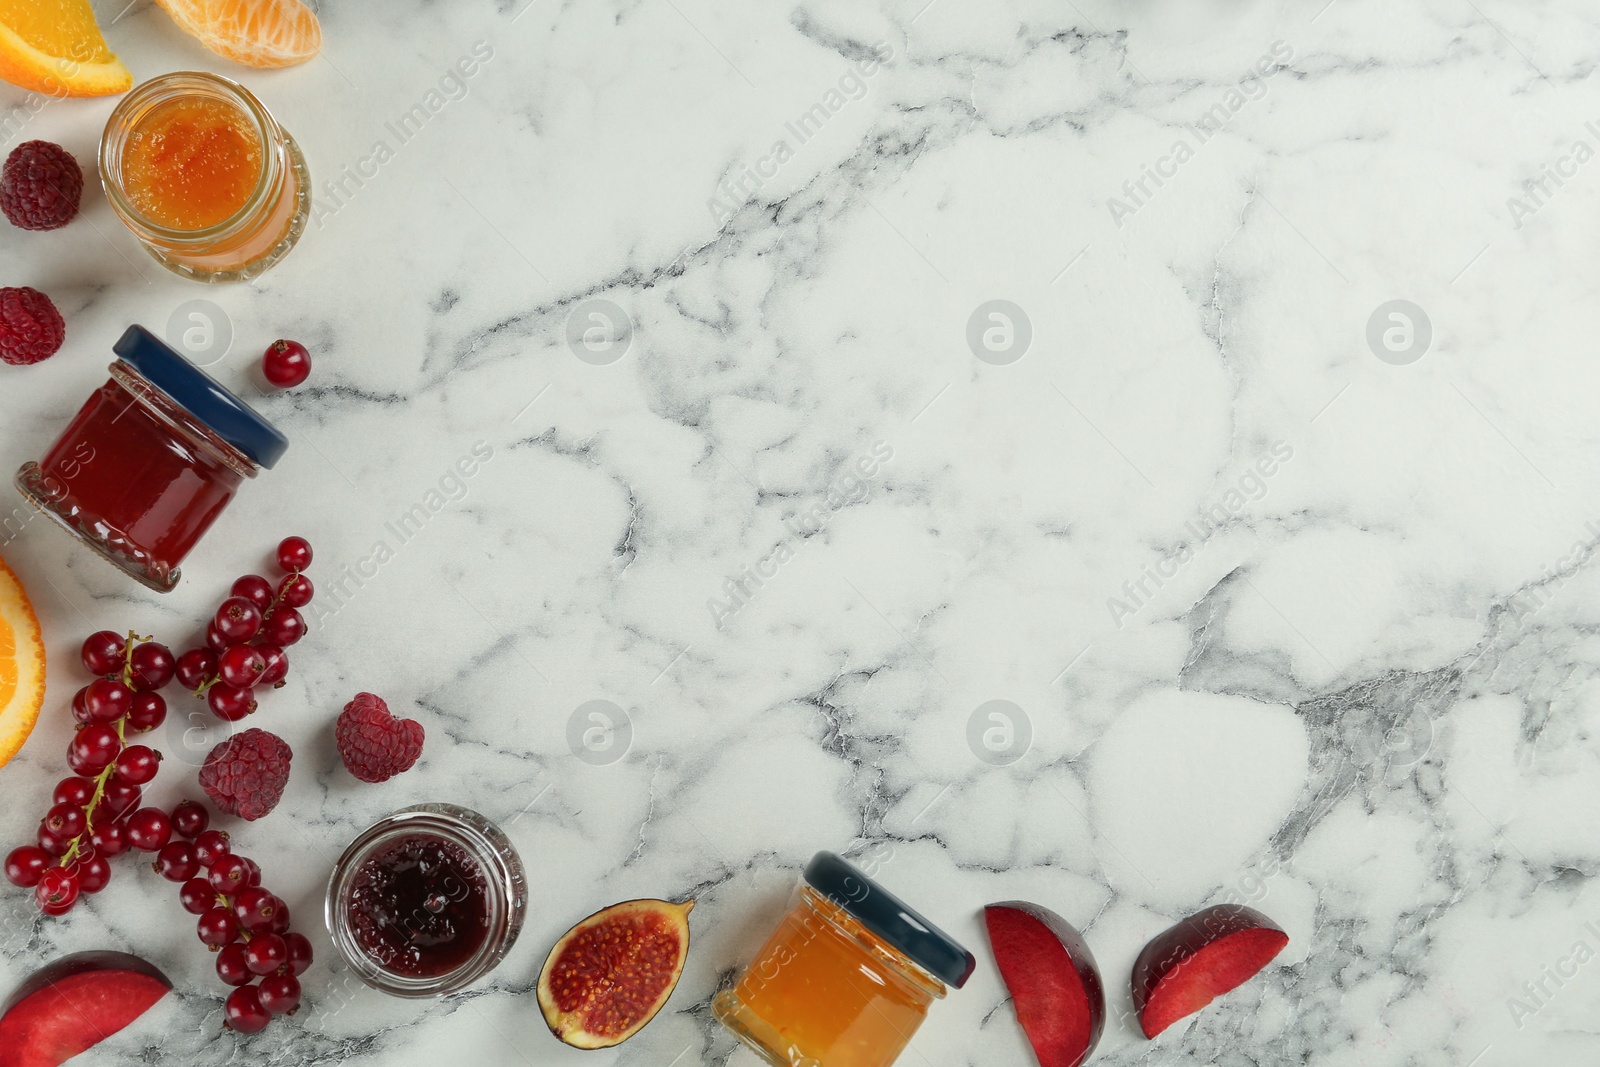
(205, 177)
(846, 979)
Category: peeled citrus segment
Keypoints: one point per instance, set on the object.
(54, 47)
(609, 975)
(257, 33)
(21, 665)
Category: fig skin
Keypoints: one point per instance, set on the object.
(1162, 960)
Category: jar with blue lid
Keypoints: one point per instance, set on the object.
(150, 461)
(847, 977)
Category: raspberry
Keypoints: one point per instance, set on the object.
(31, 328)
(245, 775)
(375, 745)
(40, 186)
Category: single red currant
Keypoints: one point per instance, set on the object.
(190, 819)
(149, 829)
(94, 873)
(230, 704)
(66, 820)
(197, 896)
(176, 861)
(294, 554)
(80, 706)
(151, 666)
(93, 748)
(217, 927)
(76, 790)
(211, 846)
(26, 865)
(265, 953)
(299, 953)
(286, 364)
(296, 590)
(195, 668)
(284, 626)
(149, 711)
(214, 639)
(280, 994)
(138, 764)
(241, 666)
(110, 840)
(229, 875)
(280, 919)
(243, 1012)
(57, 891)
(231, 967)
(252, 872)
(117, 799)
(102, 652)
(107, 700)
(237, 620)
(52, 843)
(255, 908)
(255, 589)
(277, 665)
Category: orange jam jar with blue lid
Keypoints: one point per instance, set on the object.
(846, 979)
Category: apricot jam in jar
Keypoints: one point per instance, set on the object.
(150, 461)
(846, 979)
(204, 176)
(427, 901)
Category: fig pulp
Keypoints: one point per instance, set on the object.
(75, 1003)
(1188, 966)
(1054, 983)
(609, 975)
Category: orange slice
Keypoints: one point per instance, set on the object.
(55, 47)
(21, 665)
(257, 33)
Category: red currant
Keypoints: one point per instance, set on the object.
(229, 875)
(243, 1011)
(76, 790)
(80, 709)
(265, 953)
(296, 590)
(57, 891)
(284, 626)
(116, 800)
(299, 953)
(93, 748)
(52, 843)
(211, 846)
(110, 840)
(237, 620)
(286, 364)
(255, 589)
(138, 764)
(106, 700)
(197, 896)
(231, 967)
(190, 819)
(280, 919)
(149, 711)
(102, 652)
(151, 666)
(195, 668)
(255, 908)
(26, 865)
(176, 861)
(252, 873)
(277, 665)
(214, 639)
(228, 703)
(217, 927)
(94, 873)
(66, 820)
(149, 829)
(294, 554)
(280, 994)
(241, 666)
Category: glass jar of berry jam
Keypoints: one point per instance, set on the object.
(204, 176)
(427, 901)
(846, 979)
(150, 461)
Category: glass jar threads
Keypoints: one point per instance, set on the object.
(150, 461)
(427, 901)
(204, 176)
(846, 979)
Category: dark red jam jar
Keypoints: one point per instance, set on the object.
(151, 460)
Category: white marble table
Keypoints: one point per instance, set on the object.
(1280, 614)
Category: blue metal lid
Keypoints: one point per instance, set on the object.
(202, 396)
(887, 916)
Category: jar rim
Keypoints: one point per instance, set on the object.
(143, 99)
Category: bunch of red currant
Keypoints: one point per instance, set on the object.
(246, 638)
(244, 924)
(95, 814)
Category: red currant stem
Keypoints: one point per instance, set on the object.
(207, 684)
(100, 783)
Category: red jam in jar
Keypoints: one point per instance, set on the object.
(150, 461)
(419, 906)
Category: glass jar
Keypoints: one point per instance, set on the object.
(204, 176)
(150, 461)
(846, 979)
(427, 901)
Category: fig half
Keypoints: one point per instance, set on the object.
(1189, 965)
(1054, 983)
(609, 975)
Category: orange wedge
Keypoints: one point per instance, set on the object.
(257, 33)
(54, 47)
(21, 665)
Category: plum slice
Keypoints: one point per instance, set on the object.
(1202, 957)
(73, 1004)
(1054, 983)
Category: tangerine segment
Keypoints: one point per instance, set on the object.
(55, 47)
(191, 163)
(257, 33)
(21, 665)
(610, 974)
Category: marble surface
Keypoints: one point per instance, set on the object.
(1285, 600)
